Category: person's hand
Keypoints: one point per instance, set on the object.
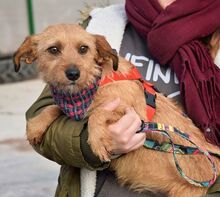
(123, 132)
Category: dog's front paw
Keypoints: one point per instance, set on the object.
(98, 134)
(34, 132)
(101, 148)
(99, 142)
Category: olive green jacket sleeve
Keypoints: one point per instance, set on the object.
(65, 141)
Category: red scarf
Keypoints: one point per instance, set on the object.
(172, 36)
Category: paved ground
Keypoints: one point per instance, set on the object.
(23, 173)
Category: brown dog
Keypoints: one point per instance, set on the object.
(61, 48)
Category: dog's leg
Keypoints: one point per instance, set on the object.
(99, 118)
(99, 139)
(37, 126)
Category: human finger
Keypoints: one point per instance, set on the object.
(135, 142)
(130, 119)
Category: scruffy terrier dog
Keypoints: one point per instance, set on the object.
(71, 59)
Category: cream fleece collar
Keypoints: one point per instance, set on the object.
(109, 22)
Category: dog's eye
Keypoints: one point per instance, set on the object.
(53, 50)
(83, 49)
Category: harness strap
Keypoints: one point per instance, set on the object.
(177, 149)
(150, 96)
(149, 91)
(116, 76)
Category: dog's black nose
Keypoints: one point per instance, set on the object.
(72, 74)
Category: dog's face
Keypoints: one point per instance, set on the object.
(67, 56)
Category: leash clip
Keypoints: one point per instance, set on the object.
(143, 124)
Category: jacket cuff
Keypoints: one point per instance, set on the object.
(88, 154)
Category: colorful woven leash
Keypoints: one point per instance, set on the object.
(176, 149)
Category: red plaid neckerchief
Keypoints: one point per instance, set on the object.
(75, 105)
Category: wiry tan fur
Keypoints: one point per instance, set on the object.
(142, 169)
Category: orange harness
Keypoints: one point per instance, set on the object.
(150, 93)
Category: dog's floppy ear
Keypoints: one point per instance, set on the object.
(105, 52)
(26, 52)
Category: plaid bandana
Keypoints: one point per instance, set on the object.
(75, 105)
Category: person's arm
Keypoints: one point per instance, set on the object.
(65, 141)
